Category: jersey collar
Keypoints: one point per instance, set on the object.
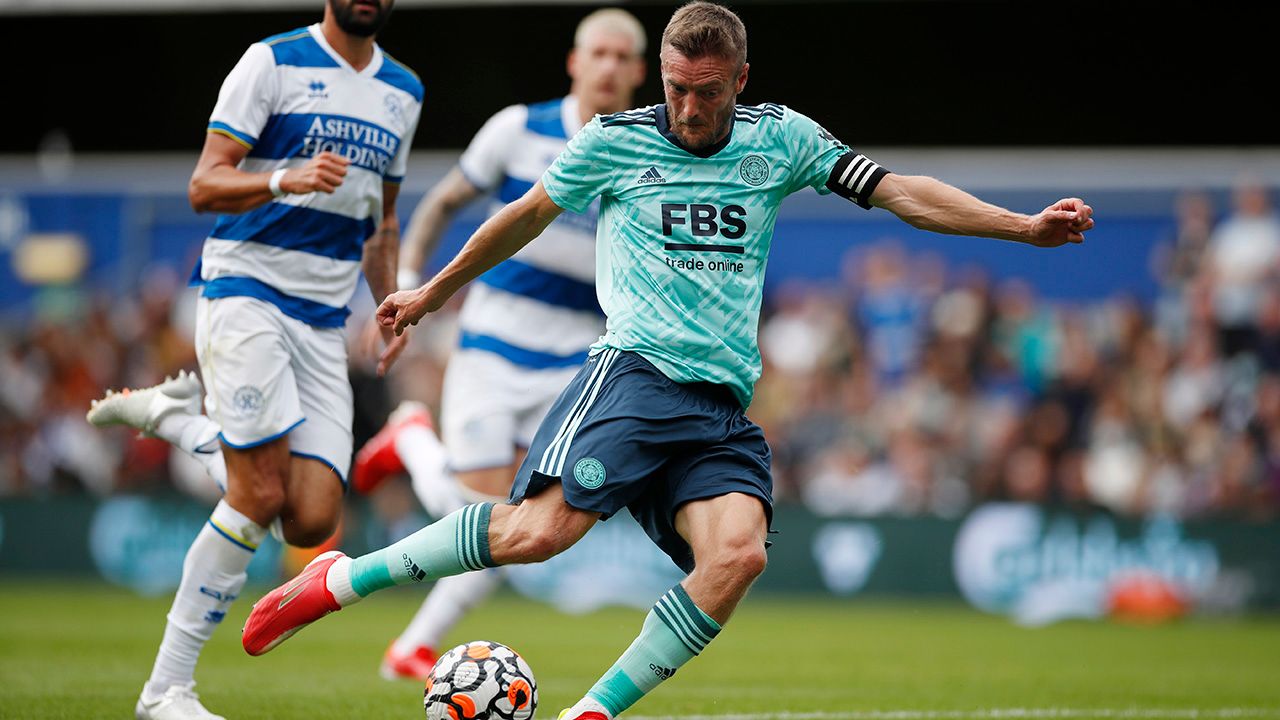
(706, 152)
(375, 63)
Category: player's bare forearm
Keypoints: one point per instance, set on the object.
(382, 250)
(379, 259)
(933, 205)
(219, 185)
(421, 239)
(379, 264)
(500, 237)
(224, 189)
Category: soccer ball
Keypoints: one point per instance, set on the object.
(481, 681)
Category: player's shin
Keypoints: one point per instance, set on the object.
(457, 543)
(674, 632)
(212, 576)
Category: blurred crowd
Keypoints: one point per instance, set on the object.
(66, 355)
(909, 387)
(916, 388)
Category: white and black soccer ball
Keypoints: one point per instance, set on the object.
(481, 680)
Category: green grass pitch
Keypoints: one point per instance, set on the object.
(83, 650)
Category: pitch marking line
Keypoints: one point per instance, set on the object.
(998, 714)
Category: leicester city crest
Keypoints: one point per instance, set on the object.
(754, 170)
(589, 472)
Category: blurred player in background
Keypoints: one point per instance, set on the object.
(526, 325)
(655, 421)
(303, 157)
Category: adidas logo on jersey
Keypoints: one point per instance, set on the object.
(651, 176)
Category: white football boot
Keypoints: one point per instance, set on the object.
(179, 702)
(143, 409)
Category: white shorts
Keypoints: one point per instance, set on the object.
(490, 406)
(267, 375)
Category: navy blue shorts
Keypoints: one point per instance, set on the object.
(622, 434)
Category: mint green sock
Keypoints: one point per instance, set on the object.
(674, 631)
(454, 544)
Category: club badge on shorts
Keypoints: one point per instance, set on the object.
(248, 401)
(589, 472)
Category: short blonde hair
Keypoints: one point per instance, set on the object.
(611, 20)
(699, 29)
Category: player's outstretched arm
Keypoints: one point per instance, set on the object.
(500, 237)
(933, 205)
(429, 221)
(218, 185)
(417, 243)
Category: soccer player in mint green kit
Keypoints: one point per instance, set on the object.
(655, 420)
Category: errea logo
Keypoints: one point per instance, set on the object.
(651, 177)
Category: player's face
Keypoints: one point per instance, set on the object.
(701, 94)
(362, 18)
(606, 71)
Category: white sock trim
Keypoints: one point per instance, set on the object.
(187, 432)
(338, 581)
(236, 527)
(588, 704)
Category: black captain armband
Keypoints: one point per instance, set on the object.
(855, 177)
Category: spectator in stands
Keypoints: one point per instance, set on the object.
(889, 311)
(1243, 252)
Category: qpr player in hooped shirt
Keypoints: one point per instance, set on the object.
(290, 98)
(306, 147)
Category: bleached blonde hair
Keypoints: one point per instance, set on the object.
(611, 20)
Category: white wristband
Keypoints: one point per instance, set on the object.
(408, 279)
(274, 182)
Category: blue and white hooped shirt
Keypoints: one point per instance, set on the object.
(538, 309)
(290, 97)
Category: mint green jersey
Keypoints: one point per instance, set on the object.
(683, 236)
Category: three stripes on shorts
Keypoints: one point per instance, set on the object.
(553, 458)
